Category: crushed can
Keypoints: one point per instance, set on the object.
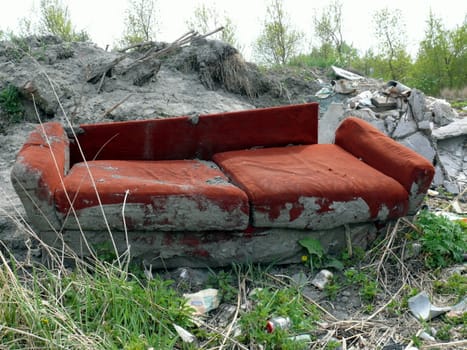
(277, 323)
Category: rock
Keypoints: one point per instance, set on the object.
(420, 144)
(329, 122)
(451, 154)
(405, 127)
(417, 105)
(443, 113)
(451, 187)
(322, 278)
(457, 128)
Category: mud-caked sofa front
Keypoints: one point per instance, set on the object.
(237, 174)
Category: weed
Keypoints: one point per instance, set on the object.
(456, 284)
(316, 255)
(224, 282)
(332, 289)
(269, 303)
(10, 103)
(443, 241)
(368, 286)
(101, 305)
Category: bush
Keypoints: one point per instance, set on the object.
(10, 104)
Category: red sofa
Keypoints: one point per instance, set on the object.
(215, 189)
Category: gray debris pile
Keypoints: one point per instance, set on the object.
(427, 125)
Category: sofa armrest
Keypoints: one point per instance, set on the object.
(378, 150)
(39, 169)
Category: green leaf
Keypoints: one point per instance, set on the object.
(313, 246)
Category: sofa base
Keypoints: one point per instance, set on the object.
(208, 249)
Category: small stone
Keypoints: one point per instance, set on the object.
(451, 187)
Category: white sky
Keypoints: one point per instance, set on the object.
(103, 19)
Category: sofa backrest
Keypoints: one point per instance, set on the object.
(200, 136)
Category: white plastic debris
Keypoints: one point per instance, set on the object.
(322, 278)
(325, 92)
(186, 336)
(203, 301)
(421, 307)
(346, 74)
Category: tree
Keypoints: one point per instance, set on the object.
(140, 22)
(390, 33)
(441, 58)
(278, 41)
(205, 19)
(328, 28)
(55, 20)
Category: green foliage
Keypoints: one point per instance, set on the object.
(102, 307)
(456, 284)
(441, 58)
(443, 241)
(391, 33)
(368, 285)
(55, 20)
(224, 282)
(286, 302)
(278, 42)
(10, 104)
(140, 22)
(207, 18)
(316, 256)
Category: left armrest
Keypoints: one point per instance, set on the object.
(378, 150)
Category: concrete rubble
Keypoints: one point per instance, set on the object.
(427, 125)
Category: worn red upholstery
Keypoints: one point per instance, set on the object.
(369, 144)
(314, 186)
(198, 137)
(164, 195)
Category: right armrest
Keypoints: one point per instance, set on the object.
(39, 169)
(381, 152)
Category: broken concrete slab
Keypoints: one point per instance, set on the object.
(329, 122)
(417, 105)
(457, 128)
(420, 143)
(451, 154)
(443, 113)
(404, 128)
(346, 74)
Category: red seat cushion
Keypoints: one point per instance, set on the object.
(312, 186)
(175, 195)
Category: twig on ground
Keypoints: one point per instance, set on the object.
(111, 109)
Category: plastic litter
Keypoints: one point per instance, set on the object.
(421, 307)
(203, 301)
(186, 336)
(322, 278)
(325, 92)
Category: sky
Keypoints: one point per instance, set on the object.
(104, 19)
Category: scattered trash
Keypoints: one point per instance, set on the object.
(397, 89)
(277, 323)
(421, 307)
(301, 338)
(346, 74)
(426, 336)
(344, 86)
(325, 92)
(322, 278)
(432, 193)
(203, 301)
(452, 216)
(225, 314)
(186, 336)
(362, 99)
(458, 310)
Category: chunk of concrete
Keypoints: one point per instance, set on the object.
(451, 155)
(405, 127)
(457, 128)
(443, 114)
(329, 122)
(420, 144)
(417, 106)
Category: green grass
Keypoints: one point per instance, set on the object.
(92, 307)
(10, 104)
